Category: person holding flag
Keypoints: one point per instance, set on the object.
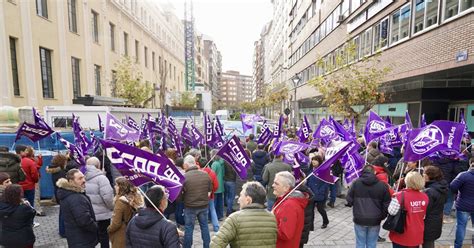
(288, 210)
(30, 169)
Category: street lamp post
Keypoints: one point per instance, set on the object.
(296, 79)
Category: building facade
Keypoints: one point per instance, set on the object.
(55, 51)
(261, 63)
(427, 44)
(211, 54)
(234, 89)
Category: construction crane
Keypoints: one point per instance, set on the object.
(190, 77)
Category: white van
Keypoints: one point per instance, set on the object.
(222, 114)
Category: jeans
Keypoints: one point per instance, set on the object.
(219, 205)
(366, 236)
(334, 190)
(461, 223)
(178, 214)
(428, 244)
(38, 198)
(229, 188)
(190, 215)
(61, 228)
(213, 215)
(449, 203)
(103, 234)
(30, 196)
(320, 206)
(270, 203)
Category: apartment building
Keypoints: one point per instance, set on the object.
(427, 44)
(211, 54)
(234, 89)
(53, 52)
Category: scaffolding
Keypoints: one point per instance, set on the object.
(190, 78)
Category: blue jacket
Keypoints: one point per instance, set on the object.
(260, 159)
(447, 167)
(463, 184)
(319, 187)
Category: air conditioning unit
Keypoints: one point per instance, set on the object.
(340, 18)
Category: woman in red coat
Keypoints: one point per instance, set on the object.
(381, 171)
(415, 204)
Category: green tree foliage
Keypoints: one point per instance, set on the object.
(345, 83)
(129, 84)
(186, 99)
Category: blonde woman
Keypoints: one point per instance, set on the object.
(126, 203)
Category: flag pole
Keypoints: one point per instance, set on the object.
(158, 210)
(291, 191)
(400, 176)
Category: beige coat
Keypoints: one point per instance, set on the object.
(123, 213)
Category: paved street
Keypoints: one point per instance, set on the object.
(338, 234)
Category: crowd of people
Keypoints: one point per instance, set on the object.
(99, 206)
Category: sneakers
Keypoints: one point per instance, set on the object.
(40, 214)
(324, 226)
(331, 204)
(380, 239)
(36, 224)
(447, 219)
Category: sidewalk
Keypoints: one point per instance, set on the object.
(339, 233)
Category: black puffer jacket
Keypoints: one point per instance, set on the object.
(16, 225)
(79, 218)
(437, 192)
(149, 229)
(260, 158)
(308, 215)
(369, 199)
(11, 164)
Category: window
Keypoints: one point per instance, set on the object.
(466, 4)
(137, 45)
(366, 43)
(425, 15)
(76, 78)
(146, 56)
(112, 36)
(323, 30)
(170, 70)
(329, 23)
(62, 121)
(159, 64)
(454, 7)
(46, 73)
(42, 8)
(95, 26)
(355, 4)
(345, 8)
(356, 45)
(380, 35)
(174, 69)
(125, 43)
(98, 87)
(153, 60)
(16, 83)
(400, 24)
(71, 7)
(114, 84)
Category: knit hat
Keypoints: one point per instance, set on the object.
(3, 177)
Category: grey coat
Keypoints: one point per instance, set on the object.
(269, 172)
(100, 192)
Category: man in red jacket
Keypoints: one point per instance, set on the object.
(289, 213)
(30, 169)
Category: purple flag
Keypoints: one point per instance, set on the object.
(388, 120)
(301, 158)
(438, 136)
(375, 127)
(248, 121)
(465, 134)
(353, 163)
(208, 131)
(74, 151)
(116, 130)
(304, 130)
(333, 153)
(144, 132)
(297, 171)
(265, 136)
(101, 125)
(33, 132)
(39, 121)
(172, 126)
(197, 137)
(341, 132)
(219, 127)
(80, 139)
(408, 120)
(185, 132)
(235, 155)
(132, 123)
(423, 121)
(325, 131)
(156, 167)
(289, 149)
(277, 129)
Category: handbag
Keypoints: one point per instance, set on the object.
(396, 223)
